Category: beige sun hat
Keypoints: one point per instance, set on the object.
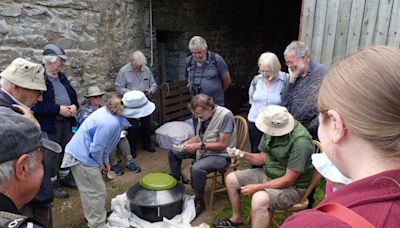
(94, 91)
(25, 74)
(275, 120)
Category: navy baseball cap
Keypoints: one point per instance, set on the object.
(55, 50)
(20, 136)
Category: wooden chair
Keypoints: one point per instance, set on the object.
(242, 132)
(303, 201)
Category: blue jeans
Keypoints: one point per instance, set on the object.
(199, 169)
(255, 137)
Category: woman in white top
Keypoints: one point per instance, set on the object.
(265, 89)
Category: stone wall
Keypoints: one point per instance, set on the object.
(97, 35)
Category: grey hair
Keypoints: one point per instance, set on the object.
(197, 42)
(300, 49)
(138, 58)
(4, 83)
(7, 168)
(271, 60)
(49, 59)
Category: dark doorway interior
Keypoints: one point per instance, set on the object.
(238, 30)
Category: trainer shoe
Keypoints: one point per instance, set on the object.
(130, 166)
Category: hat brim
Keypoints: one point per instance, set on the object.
(50, 145)
(64, 57)
(139, 112)
(94, 95)
(275, 131)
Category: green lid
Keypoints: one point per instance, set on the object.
(157, 181)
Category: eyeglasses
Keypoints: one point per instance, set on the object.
(264, 71)
(289, 63)
(39, 92)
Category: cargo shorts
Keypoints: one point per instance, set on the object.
(279, 198)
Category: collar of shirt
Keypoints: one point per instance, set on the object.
(131, 68)
(6, 204)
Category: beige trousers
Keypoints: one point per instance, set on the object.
(92, 190)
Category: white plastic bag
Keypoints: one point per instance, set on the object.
(174, 132)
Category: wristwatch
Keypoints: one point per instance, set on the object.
(202, 146)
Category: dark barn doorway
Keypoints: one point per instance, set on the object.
(238, 30)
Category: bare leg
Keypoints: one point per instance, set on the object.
(259, 210)
(233, 187)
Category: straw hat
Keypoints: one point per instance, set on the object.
(275, 120)
(94, 91)
(136, 105)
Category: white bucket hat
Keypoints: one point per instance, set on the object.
(275, 121)
(136, 105)
(25, 74)
(94, 91)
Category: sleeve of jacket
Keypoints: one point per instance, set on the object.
(120, 84)
(46, 107)
(153, 83)
(102, 138)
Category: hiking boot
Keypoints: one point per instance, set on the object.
(59, 192)
(117, 170)
(68, 181)
(130, 166)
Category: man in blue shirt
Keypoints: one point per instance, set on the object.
(305, 77)
(206, 71)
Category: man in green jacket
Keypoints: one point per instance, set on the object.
(286, 149)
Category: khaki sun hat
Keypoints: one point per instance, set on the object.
(275, 120)
(94, 91)
(25, 74)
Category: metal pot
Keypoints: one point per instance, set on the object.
(153, 205)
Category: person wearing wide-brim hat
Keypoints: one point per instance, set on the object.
(87, 154)
(286, 148)
(94, 96)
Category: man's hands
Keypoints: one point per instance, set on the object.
(250, 189)
(293, 76)
(191, 147)
(68, 110)
(147, 92)
(105, 167)
(235, 153)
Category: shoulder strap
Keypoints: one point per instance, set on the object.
(213, 59)
(8, 105)
(254, 84)
(345, 214)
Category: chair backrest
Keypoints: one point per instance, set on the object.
(315, 177)
(242, 131)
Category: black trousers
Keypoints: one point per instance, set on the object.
(141, 127)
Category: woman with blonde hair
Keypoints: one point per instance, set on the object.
(87, 154)
(359, 106)
(265, 90)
